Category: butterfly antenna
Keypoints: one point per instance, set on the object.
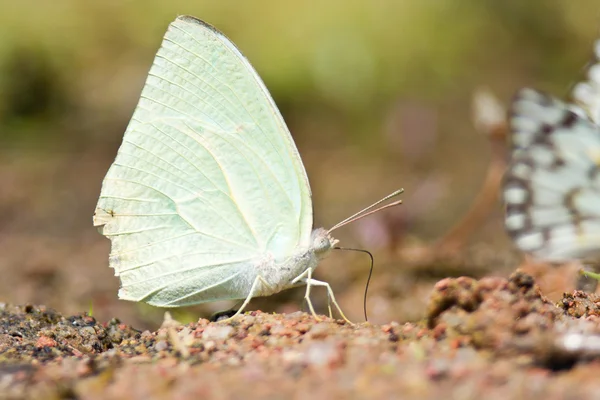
(363, 213)
(370, 274)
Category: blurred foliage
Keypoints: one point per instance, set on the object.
(72, 65)
(377, 95)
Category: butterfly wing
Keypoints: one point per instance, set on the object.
(552, 187)
(587, 94)
(207, 180)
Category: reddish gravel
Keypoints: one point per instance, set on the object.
(492, 338)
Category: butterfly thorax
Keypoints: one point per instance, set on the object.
(280, 274)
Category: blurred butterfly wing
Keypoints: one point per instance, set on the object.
(587, 94)
(552, 188)
(207, 180)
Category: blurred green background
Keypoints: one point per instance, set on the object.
(377, 95)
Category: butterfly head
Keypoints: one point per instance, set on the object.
(322, 242)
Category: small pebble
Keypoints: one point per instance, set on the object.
(213, 332)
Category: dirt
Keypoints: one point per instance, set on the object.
(492, 338)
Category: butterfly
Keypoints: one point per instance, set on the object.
(208, 198)
(552, 187)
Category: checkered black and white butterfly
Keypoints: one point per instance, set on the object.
(552, 187)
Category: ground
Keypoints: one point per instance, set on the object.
(492, 338)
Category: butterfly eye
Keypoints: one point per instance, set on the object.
(325, 244)
(321, 241)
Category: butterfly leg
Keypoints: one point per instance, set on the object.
(329, 306)
(253, 291)
(309, 281)
(302, 279)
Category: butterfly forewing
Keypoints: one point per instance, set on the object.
(207, 180)
(551, 190)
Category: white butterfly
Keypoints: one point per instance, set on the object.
(552, 187)
(208, 198)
